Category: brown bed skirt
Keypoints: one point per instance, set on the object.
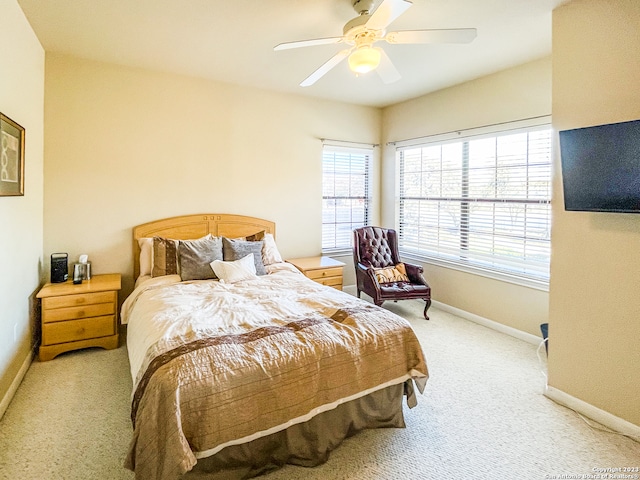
(306, 444)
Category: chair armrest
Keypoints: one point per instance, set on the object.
(367, 271)
(367, 276)
(362, 267)
(413, 267)
(414, 272)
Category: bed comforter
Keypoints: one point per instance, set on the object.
(218, 364)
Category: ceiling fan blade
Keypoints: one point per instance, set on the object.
(386, 70)
(308, 43)
(328, 65)
(386, 13)
(451, 35)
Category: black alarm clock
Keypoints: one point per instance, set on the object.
(59, 267)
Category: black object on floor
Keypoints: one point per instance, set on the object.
(544, 328)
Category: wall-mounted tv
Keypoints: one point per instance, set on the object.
(601, 168)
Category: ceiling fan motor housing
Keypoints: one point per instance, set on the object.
(355, 30)
(363, 6)
(357, 22)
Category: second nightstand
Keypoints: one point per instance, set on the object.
(79, 316)
(324, 270)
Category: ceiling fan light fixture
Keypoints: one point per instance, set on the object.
(364, 59)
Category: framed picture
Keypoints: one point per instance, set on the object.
(11, 157)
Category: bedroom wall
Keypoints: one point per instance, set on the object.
(21, 99)
(594, 317)
(513, 94)
(125, 146)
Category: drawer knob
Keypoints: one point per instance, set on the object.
(81, 313)
(81, 300)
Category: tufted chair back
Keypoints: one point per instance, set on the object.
(375, 247)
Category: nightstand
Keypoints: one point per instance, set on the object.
(79, 316)
(324, 270)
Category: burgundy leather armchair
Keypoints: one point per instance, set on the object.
(375, 248)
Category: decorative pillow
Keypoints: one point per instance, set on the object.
(255, 237)
(391, 274)
(165, 257)
(237, 249)
(236, 270)
(270, 253)
(146, 255)
(196, 256)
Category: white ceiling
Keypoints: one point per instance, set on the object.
(232, 41)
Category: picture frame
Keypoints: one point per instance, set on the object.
(11, 158)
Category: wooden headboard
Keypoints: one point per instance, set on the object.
(195, 226)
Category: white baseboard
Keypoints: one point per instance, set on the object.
(6, 400)
(602, 417)
(607, 419)
(514, 332)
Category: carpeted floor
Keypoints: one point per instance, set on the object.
(483, 416)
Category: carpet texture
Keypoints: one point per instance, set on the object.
(483, 416)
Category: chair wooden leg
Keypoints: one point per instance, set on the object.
(426, 307)
(358, 293)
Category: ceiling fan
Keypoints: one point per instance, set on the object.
(369, 27)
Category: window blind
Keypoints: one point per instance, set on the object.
(480, 202)
(345, 194)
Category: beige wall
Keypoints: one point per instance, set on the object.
(513, 94)
(126, 146)
(594, 317)
(21, 99)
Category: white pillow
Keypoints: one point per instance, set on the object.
(235, 271)
(146, 255)
(270, 253)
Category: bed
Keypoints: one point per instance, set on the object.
(236, 375)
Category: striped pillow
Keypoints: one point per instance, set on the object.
(165, 257)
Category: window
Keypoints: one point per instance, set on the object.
(345, 194)
(480, 202)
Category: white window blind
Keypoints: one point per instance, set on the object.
(480, 202)
(345, 194)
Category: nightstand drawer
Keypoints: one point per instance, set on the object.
(76, 300)
(330, 281)
(72, 313)
(74, 330)
(326, 272)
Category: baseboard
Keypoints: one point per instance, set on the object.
(602, 417)
(513, 332)
(6, 400)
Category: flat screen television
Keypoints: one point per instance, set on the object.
(601, 168)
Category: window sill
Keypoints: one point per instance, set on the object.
(515, 279)
(337, 252)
